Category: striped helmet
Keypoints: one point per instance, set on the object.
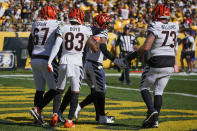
(101, 20)
(161, 11)
(48, 12)
(76, 15)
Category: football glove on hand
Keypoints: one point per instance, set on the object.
(120, 63)
(50, 67)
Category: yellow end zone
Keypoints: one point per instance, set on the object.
(119, 109)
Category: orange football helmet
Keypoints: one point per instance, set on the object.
(101, 20)
(76, 15)
(161, 11)
(48, 12)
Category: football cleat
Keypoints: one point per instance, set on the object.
(155, 124)
(54, 120)
(106, 119)
(60, 117)
(69, 124)
(147, 123)
(36, 113)
(77, 112)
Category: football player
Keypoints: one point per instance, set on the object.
(72, 37)
(160, 45)
(41, 41)
(94, 73)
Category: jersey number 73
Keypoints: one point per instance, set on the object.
(169, 34)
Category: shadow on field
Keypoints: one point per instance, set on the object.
(27, 124)
(25, 121)
(113, 126)
(18, 119)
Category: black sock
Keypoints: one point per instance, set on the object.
(158, 102)
(88, 99)
(47, 98)
(94, 99)
(57, 100)
(66, 100)
(100, 101)
(147, 99)
(38, 97)
(122, 77)
(73, 105)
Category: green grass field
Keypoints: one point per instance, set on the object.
(179, 110)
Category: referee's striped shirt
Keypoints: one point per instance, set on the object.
(126, 42)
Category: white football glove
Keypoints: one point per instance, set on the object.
(50, 67)
(120, 63)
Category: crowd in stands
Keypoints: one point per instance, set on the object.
(18, 15)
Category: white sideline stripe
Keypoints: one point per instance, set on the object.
(179, 74)
(171, 93)
(120, 88)
(116, 74)
(31, 75)
(131, 89)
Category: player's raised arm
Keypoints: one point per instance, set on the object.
(93, 44)
(144, 48)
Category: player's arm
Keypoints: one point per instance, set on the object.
(116, 50)
(144, 48)
(54, 51)
(30, 45)
(116, 46)
(104, 50)
(93, 44)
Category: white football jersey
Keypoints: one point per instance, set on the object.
(98, 56)
(74, 40)
(166, 36)
(43, 32)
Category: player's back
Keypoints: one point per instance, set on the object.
(43, 32)
(162, 52)
(166, 35)
(74, 40)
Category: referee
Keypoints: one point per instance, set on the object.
(127, 43)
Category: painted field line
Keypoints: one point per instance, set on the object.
(171, 93)
(139, 75)
(114, 74)
(120, 88)
(131, 89)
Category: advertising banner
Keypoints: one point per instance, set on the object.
(7, 60)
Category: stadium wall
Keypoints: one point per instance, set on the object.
(17, 41)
